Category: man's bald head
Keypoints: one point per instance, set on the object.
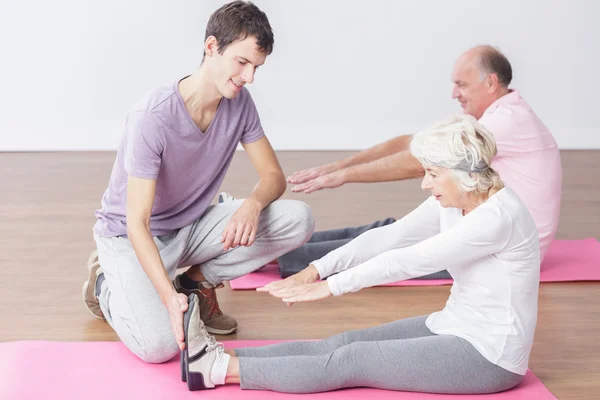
(481, 75)
(492, 61)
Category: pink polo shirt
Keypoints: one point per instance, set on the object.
(528, 161)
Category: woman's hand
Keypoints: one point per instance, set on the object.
(307, 275)
(306, 292)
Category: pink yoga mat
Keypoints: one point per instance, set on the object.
(566, 260)
(108, 371)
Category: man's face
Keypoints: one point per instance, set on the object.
(472, 92)
(236, 66)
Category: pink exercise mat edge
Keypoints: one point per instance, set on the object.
(100, 370)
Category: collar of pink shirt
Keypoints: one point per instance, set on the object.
(513, 97)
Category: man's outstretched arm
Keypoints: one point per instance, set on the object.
(376, 152)
(394, 167)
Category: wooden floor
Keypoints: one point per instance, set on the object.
(47, 202)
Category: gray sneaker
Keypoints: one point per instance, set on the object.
(201, 349)
(90, 298)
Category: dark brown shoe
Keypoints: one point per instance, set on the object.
(214, 320)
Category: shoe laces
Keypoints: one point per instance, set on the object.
(211, 299)
(211, 341)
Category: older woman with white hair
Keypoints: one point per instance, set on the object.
(480, 342)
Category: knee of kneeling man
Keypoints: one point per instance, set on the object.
(158, 350)
(302, 214)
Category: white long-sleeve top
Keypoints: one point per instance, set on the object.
(492, 254)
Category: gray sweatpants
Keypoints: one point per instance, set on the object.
(402, 355)
(130, 302)
(323, 242)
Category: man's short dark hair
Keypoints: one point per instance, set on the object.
(492, 61)
(238, 20)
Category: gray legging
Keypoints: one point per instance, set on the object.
(403, 355)
(324, 242)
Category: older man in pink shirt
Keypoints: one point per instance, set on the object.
(528, 158)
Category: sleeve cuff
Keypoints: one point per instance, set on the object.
(254, 137)
(141, 174)
(333, 287)
(320, 269)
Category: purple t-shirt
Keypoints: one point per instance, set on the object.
(162, 142)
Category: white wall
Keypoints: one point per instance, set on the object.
(344, 74)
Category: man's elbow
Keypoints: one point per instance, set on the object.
(419, 171)
(280, 183)
(415, 167)
(137, 225)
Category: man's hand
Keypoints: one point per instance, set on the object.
(328, 181)
(307, 275)
(306, 292)
(241, 229)
(177, 304)
(311, 173)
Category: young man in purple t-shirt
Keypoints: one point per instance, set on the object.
(156, 215)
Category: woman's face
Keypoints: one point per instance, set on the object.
(441, 184)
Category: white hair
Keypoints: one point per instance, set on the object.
(462, 145)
